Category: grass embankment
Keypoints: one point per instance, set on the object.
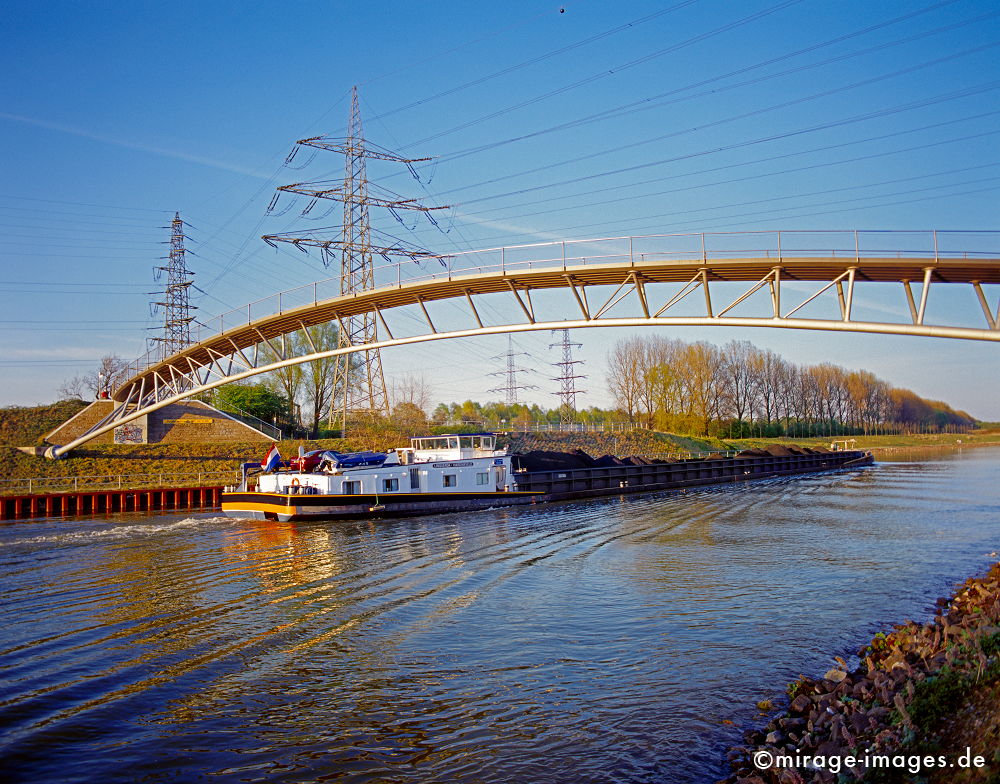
(174, 459)
(922, 697)
(22, 426)
(885, 443)
(26, 425)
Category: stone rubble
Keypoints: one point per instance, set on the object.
(848, 712)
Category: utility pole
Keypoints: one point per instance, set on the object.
(567, 378)
(359, 383)
(176, 302)
(511, 387)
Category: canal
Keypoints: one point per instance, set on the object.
(615, 640)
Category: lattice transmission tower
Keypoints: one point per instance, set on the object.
(176, 301)
(359, 383)
(511, 387)
(567, 377)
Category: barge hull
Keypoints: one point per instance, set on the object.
(541, 486)
(290, 507)
(559, 485)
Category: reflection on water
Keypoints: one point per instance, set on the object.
(623, 639)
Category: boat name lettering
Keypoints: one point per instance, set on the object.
(454, 465)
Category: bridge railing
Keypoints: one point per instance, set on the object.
(706, 246)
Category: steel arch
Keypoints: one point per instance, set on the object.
(234, 351)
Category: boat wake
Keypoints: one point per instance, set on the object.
(113, 532)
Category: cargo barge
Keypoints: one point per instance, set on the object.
(463, 472)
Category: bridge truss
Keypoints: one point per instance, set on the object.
(854, 281)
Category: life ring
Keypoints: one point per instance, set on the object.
(295, 482)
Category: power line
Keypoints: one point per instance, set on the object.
(734, 118)
(472, 42)
(651, 101)
(539, 58)
(633, 218)
(614, 70)
(941, 98)
(761, 175)
(833, 212)
(84, 204)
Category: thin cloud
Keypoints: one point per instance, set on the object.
(182, 156)
(511, 228)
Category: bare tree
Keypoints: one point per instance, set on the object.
(771, 376)
(412, 389)
(740, 376)
(702, 365)
(625, 375)
(319, 374)
(73, 389)
(786, 384)
(110, 374)
(410, 417)
(288, 381)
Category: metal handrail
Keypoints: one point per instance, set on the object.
(628, 249)
(544, 427)
(63, 484)
(250, 420)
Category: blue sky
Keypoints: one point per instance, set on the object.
(604, 119)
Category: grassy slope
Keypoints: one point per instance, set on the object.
(887, 443)
(26, 425)
(191, 458)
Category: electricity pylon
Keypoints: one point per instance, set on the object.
(511, 387)
(358, 378)
(176, 302)
(567, 379)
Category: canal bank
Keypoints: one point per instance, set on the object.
(95, 501)
(923, 704)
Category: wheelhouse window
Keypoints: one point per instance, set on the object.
(430, 443)
(351, 488)
(441, 443)
(484, 443)
(450, 480)
(389, 485)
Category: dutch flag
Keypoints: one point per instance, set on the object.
(270, 462)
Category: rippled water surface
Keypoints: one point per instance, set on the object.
(616, 640)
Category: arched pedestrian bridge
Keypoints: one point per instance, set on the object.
(933, 284)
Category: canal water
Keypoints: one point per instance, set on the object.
(616, 640)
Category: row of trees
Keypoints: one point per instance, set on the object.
(738, 389)
(472, 412)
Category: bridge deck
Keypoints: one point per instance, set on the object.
(527, 278)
